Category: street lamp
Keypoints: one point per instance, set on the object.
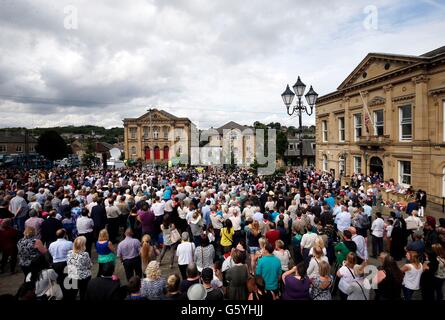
(311, 98)
(366, 156)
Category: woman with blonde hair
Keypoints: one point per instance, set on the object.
(148, 251)
(314, 265)
(29, 247)
(413, 271)
(172, 288)
(105, 250)
(152, 287)
(79, 267)
(346, 275)
(322, 283)
(319, 242)
(253, 237)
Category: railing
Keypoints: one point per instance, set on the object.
(374, 140)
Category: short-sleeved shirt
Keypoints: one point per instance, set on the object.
(184, 252)
(128, 248)
(269, 267)
(147, 220)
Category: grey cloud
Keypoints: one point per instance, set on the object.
(190, 57)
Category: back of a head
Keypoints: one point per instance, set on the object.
(351, 259)
(185, 236)
(33, 213)
(318, 252)
(108, 269)
(134, 284)
(60, 234)
(128, 232)
(269, 248)
(207, 275)
(301, 269)
(347, 234)
(173, 282)
(192, 270)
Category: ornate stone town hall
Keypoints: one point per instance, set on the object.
(157, 136)
(401, 132)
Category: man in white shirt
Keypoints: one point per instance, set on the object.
(91, 204)
(343, 219)
(362, 248)
(59, 252)
(248, 211)
(307, 242)
(377, 228)
(158, 208)
(84, 225)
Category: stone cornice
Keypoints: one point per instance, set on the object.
(404, 98)
(437, 91)
(387, 87)
(420, 79)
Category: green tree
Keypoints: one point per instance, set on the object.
(89, 158)
(52, 146)
(282, 144)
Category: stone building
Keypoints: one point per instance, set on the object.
(403, 134)
(16, 143)
(292, 153)
(232, 141)
(158, 136)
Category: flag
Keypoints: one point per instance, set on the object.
(367, 114)
(367, 122)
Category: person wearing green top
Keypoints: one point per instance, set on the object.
(343, 248)
(269, 267)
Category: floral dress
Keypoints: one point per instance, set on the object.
(318, 293)
(27, 251)
(153, 289)
(79, 265)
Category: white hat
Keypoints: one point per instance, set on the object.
(197, 292)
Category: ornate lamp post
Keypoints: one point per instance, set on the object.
(311, 98)
(366, 156)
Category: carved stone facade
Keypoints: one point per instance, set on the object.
(158, 136)
(405, 139)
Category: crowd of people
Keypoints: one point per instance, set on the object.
(223, 234)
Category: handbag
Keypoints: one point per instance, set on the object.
(175, 236)
(54, 291)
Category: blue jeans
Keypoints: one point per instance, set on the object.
(407, 293)
(19, 222)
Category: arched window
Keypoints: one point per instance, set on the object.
(166, 149)
(147, 153)
(155, 133)
(157, 153)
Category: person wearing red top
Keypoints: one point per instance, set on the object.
(8, 245)
(273, 234)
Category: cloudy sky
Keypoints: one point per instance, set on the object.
(97, 62)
